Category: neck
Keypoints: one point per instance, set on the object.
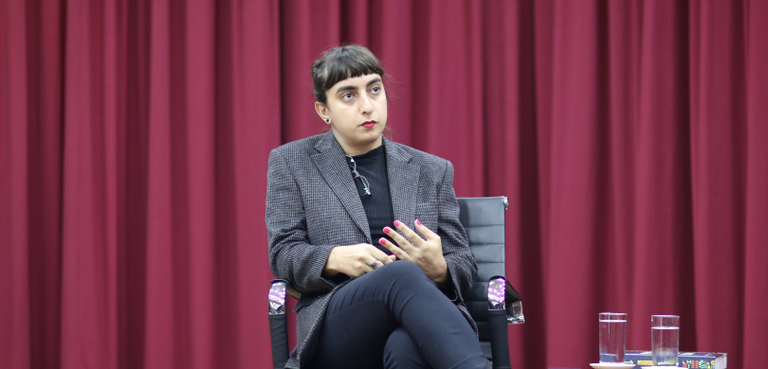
(354, 150)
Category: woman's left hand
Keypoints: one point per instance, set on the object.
(426, 252)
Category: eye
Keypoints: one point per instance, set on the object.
(347, 96)
(375, 89)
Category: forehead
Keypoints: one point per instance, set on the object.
(356, 82)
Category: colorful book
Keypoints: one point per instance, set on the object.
(691, 360)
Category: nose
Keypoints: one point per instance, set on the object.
(367, 104)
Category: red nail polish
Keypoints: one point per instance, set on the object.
(387, 230)
(418, 222)
(382, 241)
(397, 223)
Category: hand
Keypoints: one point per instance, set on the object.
(426, 252)
(355, 260)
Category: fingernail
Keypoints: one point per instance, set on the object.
(382, 240)
(418, 222)
(397, 223)
(387, 230)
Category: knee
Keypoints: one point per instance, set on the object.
(401, 351)
(398, 340)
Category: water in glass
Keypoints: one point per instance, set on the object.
(613, 336)
(664, 345)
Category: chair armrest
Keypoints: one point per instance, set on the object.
(278, 325)
(502, 296)
(514, 305)
(515, 313)
(497, 319)
(496, 292)
(277, 297)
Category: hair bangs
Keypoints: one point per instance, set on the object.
(347, 66)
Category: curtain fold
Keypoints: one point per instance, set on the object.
(134, 137)
(718, 142)
(14, 191)
(661, 168)
(755, 275)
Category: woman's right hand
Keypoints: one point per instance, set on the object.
(355, 260)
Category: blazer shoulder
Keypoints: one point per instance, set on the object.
(301, 147)
(422, 158)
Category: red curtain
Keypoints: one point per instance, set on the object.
(630, 137)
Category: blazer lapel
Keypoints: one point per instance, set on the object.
(332, 163)
(403, 183)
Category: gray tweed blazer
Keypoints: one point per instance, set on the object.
(313, 206)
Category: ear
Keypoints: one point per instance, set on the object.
(322, 111)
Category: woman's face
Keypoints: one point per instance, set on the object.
(357, 112)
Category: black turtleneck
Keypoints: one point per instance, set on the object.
(378, 205)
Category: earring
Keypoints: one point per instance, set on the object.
(327, 120)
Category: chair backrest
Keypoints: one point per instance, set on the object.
(483, 219)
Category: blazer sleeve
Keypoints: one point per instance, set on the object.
(462, 267)
(291, 256)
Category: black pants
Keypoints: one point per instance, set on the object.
(395, 317)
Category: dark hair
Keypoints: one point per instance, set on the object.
(340, 63)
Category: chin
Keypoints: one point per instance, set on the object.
(371, 138)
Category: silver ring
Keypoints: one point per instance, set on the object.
(374, 263)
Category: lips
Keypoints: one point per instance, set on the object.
(369, 124)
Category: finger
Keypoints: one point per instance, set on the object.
(379, 255)
(366, 266)
(375, 263)
(408, 233)
(382, 257)
(397, 251)
(426, 232)
(399, 239)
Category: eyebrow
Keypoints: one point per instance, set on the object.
(352, 88)
(373, 81)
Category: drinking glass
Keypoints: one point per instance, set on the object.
(665, 337)
(613, 337)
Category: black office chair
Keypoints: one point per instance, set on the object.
(492, 301)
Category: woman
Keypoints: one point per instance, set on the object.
(331, 198)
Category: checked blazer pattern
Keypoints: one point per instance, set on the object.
(313, 206)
